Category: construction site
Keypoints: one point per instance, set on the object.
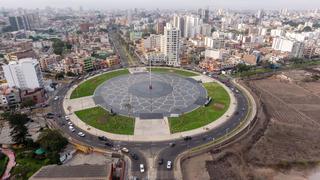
(284, 141)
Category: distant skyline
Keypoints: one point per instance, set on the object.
(163, 4)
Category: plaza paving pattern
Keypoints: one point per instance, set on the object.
(130, 95)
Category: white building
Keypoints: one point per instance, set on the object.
(23, 74)
(282, 44)
(277, 32)
(152, 42)
(192, 26)
(216, 54)
(170, 45)
(157, 58)
(210, 42)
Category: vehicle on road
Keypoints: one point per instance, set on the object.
(70, 123)
(67, 118)
(141, 168)
(71, 128)
(109, 144)
(169, 165)
(125, 150)
(160, 161)
(172, 144)
(187, 138)
(81, 134)
(103, 138)
(56, 98)
(134, 156)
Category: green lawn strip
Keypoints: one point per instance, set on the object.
(175, 71)
(101, 119)
(3, 164)
(88, 87)
(27, 163)
(203, 115)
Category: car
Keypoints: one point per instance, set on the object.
(71, 128)
(141, 168)
(81, 134)
(70, 123)
(125, 150)
(160, 161)
(172, 144)
(134, 156)
(109, 144)
(103, 138)
(67, 117)
(169, 164)
(56, 98)
(187, 138)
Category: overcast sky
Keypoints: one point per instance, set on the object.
(164, 4)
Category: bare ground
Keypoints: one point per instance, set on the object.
(285, 142)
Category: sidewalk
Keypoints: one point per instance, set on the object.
(143, 138)
(11, 163)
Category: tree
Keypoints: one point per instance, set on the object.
(59, 76)
(242, 67)
(69, 73)
(58, 46)
(28, 103)
(52, 140)
(19, 132)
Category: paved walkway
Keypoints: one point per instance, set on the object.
(140, 136)
(11, 163)
(151, 127)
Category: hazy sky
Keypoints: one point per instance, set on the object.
(164, 4)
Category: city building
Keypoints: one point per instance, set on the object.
(294, 48)
(23, 74)
(171, 45)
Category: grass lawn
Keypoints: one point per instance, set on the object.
(27, 165)
(101, 119)
(203, 115)
(3, 164)
(175, 71)
(88, 87)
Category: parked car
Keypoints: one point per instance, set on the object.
(67, 117)
(71, 128)
(172, 144)
(169, 164)
(56, 98)
(81, 134)
(141, 168)
(70, 123)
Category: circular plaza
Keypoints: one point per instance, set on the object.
(134, 104)
(150, 96)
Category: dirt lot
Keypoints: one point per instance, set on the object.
(285, 143)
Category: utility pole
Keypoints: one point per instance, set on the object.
(150, 85)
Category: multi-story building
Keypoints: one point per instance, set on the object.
(152, 42)
(214, 43)
(170, 45)
(294, 48)
(23, 74)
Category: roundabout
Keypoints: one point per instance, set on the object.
(144, 106)
(204, 124)
(131, 95)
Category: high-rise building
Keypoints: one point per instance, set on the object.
(294, 48)
(192, 26)
(178, 22)
(23, 74)
(25, 22)
(170, 44)
(204, 15)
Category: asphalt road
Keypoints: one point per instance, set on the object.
(151, 148)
